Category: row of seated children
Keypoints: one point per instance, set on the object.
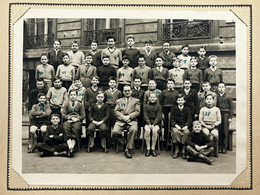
(225, 103)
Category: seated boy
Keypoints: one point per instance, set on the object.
(152, 88)
(210, 119)
(199, 146)
(180, 124)
(98, 116)
(152, 118)
(54, 139)
(39, 116)
(73, 113)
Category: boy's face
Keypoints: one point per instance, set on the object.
(170, 84)
(185, 51)
(88, 59)
(125, 62)
(137, 83)
(209, 100)
(56, 45)
(44, 60)
(66, 59)
(148, 46)
(180, 101)
(130, 42)
(193, 63)
(213, 61)
(221, 88)
(100, 98)
(187, 84)
(94, 81)
(202, 52)
(39, 84)
(206, 87)
(105, 61)
(127, 91)
(111, 43)
(75, 47)
(57, 83)
(55, 120)
(42, 99)
(78, 83)
(176, 64)
(112, 84)
(93, 46)
(166, 47)
(152, 84)
(73, 96)
(141, 61)
(197, 127)
(159, 62)
(152, 98)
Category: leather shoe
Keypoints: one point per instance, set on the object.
(183, 156)
(154, 154)
(207, 160)
(224, 151)
(128, 154)
(105, 150)
(147, 154)
(174, 156)
(190, 158)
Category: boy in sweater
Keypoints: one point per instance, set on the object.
(131, 52)
(160, 74)
(91, 93)
(66, 72)
(180, 123)
(194, 74)
(213, 74)
(114, 54)
(210, 119)
(184, 57)
(76, 56)
(54, 139)
(80, 90)
(225, 104)
(149, 54)
(45, 71)
(105, 71)
(177, 74)
(142, 71)
(152, 118)
(86, 71)
(167, 55)
(152, 88)
(199, 146)
(72, 113)
(98, 116)
(168, 99)
(206, 91)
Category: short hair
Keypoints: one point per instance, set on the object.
(170, 79)
(112, 78)
(96, 77)
(213, 56)
(130, 37)
(44, 54)
(166, 42)
(206, 82)
(126, 86)
(73, 90)
(41, 94)
(158, 56)
(185, 45)
(152, 92)
(180, 95)
(125, 57)
(138, 77)
(101, 92)
(105, 56)
(141, 56)
(76, 42)
(174, 59)
(40, 80)
(208, 96)
(222, 83)
(196, 122)
(202, 47)
(148, 42)
(57, 40)
(94, 41)
(187, 79)
(88, 54)
(55, 114)
(65, 54)
(152, 80)
(56, 78)
(111, 37)
(193, 58)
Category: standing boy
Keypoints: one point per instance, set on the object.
(203, 61)
(177, 74)
(167, 55)
(149, 54)
(225, 104)
(55, 55)
(96, 54)
(152, 88)
(114, 54)
(206, 91)
(80, 90)
(76, 56)
(131, 52)
(184, 57)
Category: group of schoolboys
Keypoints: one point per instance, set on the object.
(189, 90)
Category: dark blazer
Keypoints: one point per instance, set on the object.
(192, 101)
(181, 118)
(54, 59)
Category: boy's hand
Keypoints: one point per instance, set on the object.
(195, 116)
(150, 126)
(61, 134)
(229, 120)
(178, 127)
(50, 136)
(197, 147)
(184, 128)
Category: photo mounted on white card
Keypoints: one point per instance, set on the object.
(221, 32)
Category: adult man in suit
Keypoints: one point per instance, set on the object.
(127, 111)
(55, 55)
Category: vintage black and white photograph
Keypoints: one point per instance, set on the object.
(145, 97)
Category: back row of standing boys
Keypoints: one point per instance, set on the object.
(163, 84)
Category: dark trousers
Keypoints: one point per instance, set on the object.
(101, 133)
(191, 151)
(223, 130)
(111, 123)
(166, 111)
(161, 84)
(195, 86)
(48, 150)
(72, 130)
(66, 84)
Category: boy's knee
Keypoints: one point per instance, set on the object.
(187, 131)
(33, 129)
(43, 128)
(206, 131)
(175, 130)
(214, 132)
